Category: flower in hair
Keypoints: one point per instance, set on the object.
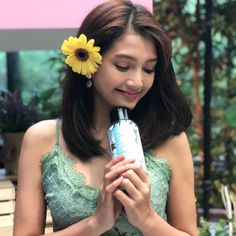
(82, 56)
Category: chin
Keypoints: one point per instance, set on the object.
(129, 106)
(124, 103)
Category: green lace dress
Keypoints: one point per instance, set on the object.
(70, 199)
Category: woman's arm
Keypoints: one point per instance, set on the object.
(181, 202)
(30, 211)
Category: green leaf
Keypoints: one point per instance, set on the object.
(230, 116)
(45, 95)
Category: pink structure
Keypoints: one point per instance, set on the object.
(48, 14)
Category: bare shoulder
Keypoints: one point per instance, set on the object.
(176, 149)
(43, 128)
(40, 136)
(178, 144)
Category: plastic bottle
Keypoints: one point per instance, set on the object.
(124, 137)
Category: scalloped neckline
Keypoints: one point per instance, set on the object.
(78, 174)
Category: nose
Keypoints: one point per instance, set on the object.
(136, 81)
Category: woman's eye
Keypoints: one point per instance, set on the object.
(149, 71)
(122, 68)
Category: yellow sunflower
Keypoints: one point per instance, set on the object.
(82, 56)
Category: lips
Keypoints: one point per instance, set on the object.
(129, 94)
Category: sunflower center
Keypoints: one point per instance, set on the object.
(81, 54)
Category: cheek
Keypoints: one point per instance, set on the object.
(147, 86)
(102, 83)
(148, 83)
(104, 76)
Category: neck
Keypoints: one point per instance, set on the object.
(101, 125)
(101, 119)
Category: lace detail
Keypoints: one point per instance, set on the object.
(70, 199)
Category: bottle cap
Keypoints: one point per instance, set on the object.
(119, 113)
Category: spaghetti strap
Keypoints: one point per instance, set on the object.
(57, 131)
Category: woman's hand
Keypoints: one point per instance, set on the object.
(136, 197)
(108, 207)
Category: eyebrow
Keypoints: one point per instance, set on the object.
(125, 56)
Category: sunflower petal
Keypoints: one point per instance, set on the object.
(66, 48)
(72, 61)
(84, 68)
(82, 41)
(95, 65)
(77, 67)
(92, 67)
(95, 49)
(91, 43)
(97, 58)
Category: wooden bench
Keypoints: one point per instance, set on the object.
(7, 208)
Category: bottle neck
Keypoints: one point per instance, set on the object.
(119, 113)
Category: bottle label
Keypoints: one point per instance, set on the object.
(124, 139)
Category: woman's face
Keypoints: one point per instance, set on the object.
(126, 73)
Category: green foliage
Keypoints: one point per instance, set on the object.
(2, 70)
(230, 116)
(15, 116)
(204, 228)
(220, 228)
(43, 80)
(184, 20)
(38, 72)
(47, 103)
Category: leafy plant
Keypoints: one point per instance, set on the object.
(15, 116)
(204, 227)
(220, 228)
(47, 103)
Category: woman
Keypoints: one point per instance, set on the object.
(66, 165)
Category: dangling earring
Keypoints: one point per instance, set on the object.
(89, 83)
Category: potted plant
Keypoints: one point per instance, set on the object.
(15, 118)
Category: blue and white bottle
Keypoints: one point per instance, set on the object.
(124, 137)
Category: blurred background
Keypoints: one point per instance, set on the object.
(203, 37)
